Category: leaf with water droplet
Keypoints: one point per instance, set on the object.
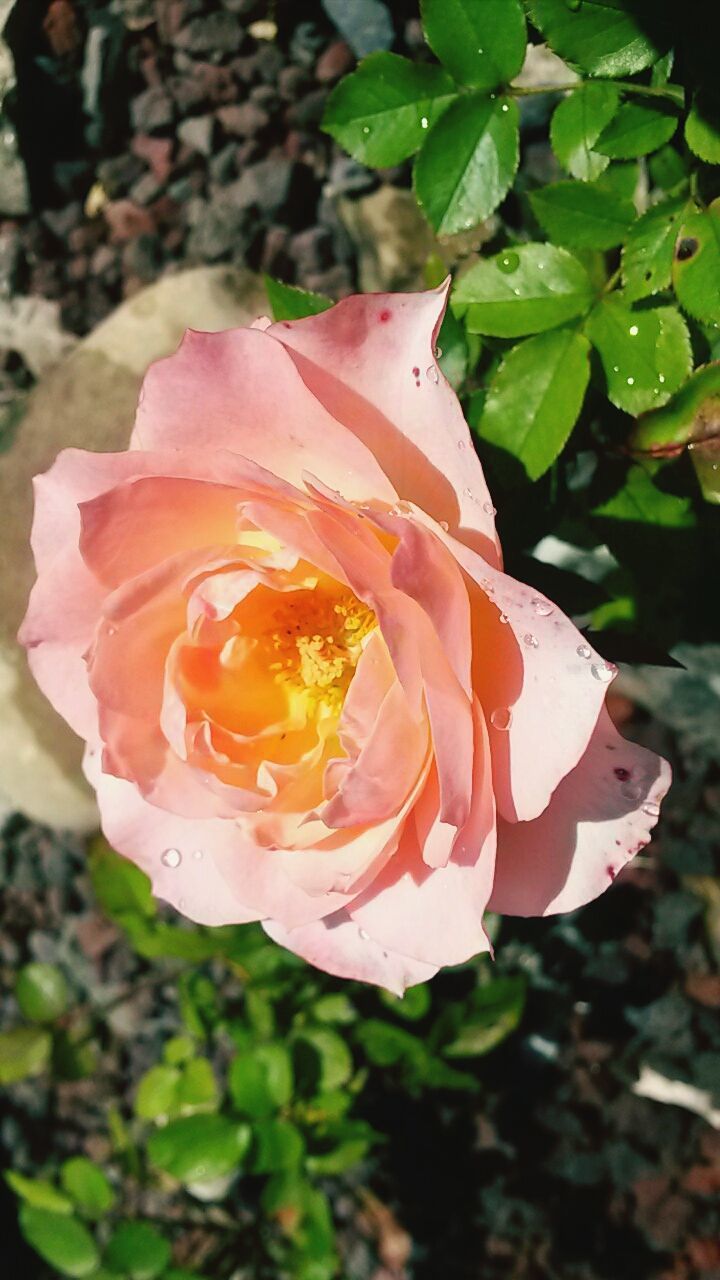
(467, 164)
(548, 287)
(696, 268)
(376, 113)
(482, 45)
(603, 37)
(535, 397)
(661, 348)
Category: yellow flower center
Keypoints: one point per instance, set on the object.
(314, 642)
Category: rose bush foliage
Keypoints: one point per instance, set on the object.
(309, 692)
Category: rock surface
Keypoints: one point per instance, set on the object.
(87, 401)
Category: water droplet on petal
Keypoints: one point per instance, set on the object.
(112, 631)
(582, 651)
(489, 509)
(530, 640)
(651, 809)
(198, 855)
(363, 935)
(432, 374)
(171, 857)
(444, 525)
(542, 607)
(603, 671)
(631, 791)
(501, 718)
(461, 444)
(508, 263)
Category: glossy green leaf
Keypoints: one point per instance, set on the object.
(706, 461)
(412, 1006)
(137, 1251)
(535, 398)
(38, 1193)
(88, 1186)
(287, 302)
(62, 1241)
(523, 290)
(691, 417)
(468, 162)
(669, 170)
(24, 1051)
(637, 129)
(603, 37)
(197, 1089)
(576, 125)
(41, 992)
(332, 1063)
(277, 1145)
(696, 265)
(495, 1012)
(199, 1148)
(482, 45)
(277, 1062)
(250, 1088)
(382, 112)
(702, 128)
(645, 353)
(121, 888)
(156, 1096)
(386, 1044)
(647, 255)
(454, 357)
(582, 215)
(641, 502)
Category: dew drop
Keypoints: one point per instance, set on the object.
(366, 128)
(542, 608)
(504, 617)
(501, 718)
(651, 809)
(631, 791)
(423, 122)
(363, 935)
(661, 377)
(603, 671)
(633, 331)
(461, 444)
(112, 631)
(444, 525)
(171, 857)
(489, 509)
(582, 651)
(509, 263)
(437, 352)
(198, 855)
(616, 368)
(432, 374)
(631, 382)
(505, 107)
(530, 640)
(468, 493)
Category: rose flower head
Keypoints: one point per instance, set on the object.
(309, 692)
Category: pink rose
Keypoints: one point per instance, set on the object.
(310, 695)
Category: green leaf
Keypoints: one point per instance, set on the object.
(277, 1062)
(381, 113)
(24, 1051)
(120, 887)
(278, 1145)
(287, 302)
(645, 353)
(323, 1055)
(603, 37)
(199, 1148)
(62, 1241)
(334, 1008)
(197, 1088)
(179, 1049)
(496, 1011)
(249, 1087)
(482, 45)
(88, 1186)
(668, 169)
(696, 265)
(468, 162)
(641, 502)
(454, 356)
(38, 1193)
(583, 215)
(42, 992)
(535, 398)
(691, 417)
(156, 1097)
(412, 1006)
(523, 290)
(702, 128)
(137, 1251)
(706, 461)
(637, 129)
(576, 126)
(647, 255)
(385, 1044)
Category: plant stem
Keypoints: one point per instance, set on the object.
(645, 90)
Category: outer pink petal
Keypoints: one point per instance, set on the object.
(370, 361)
(599, 817)
(340, 947)
(435, 914)
(239, 390)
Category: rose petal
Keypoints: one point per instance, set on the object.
(599, 817)
(339, 946)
